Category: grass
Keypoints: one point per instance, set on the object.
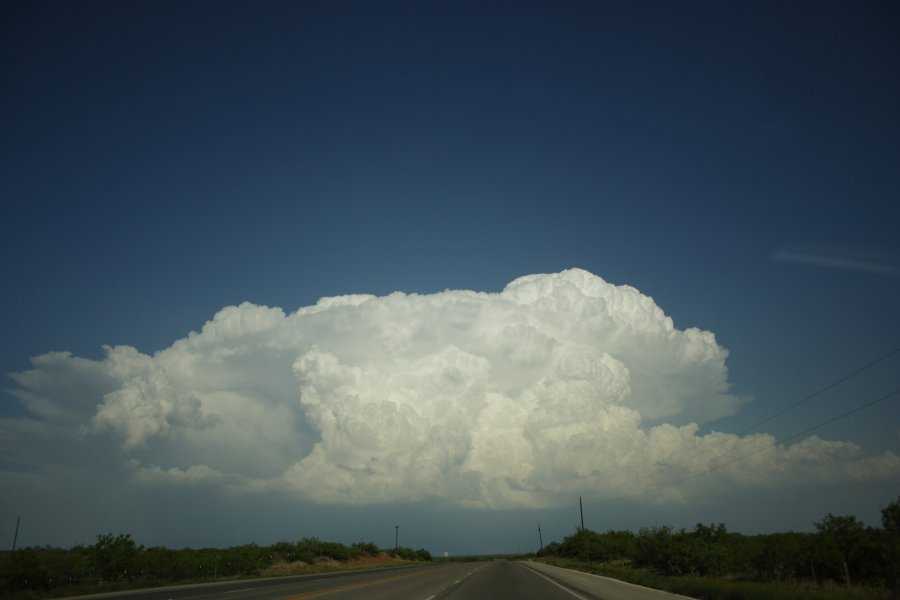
(708, 588)
(281, 569)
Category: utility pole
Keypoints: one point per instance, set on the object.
(581, 510)
(16, 534)
(540, 537)
(396, 537)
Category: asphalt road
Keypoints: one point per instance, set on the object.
(594, 586)
(494, 580)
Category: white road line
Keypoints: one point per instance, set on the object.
(236, 591)
(565, 589)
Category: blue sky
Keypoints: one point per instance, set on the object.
(736, 163)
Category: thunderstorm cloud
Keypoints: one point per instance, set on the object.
(559, 384)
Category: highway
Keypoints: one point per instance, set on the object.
(493, 580)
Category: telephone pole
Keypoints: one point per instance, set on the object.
(540, 537)
(581, 510)
(396, 537)
(16, 534)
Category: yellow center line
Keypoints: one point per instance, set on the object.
(353, 586)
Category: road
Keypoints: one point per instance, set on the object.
(494, 580)
(594, 586)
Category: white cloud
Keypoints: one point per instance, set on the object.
(196, 475)
(60, 387)
(561, 384)
(147, 403)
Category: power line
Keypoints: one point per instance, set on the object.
(819, 392)
(779, 442)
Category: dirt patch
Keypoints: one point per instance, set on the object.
(382, 560)
(324, 564)
(287, 568)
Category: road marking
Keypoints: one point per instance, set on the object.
(240, 590)
(349, 586)
(563, 588)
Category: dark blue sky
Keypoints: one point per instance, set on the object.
(162, 160)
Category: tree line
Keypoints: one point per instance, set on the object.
(842, 550)
(117, 562)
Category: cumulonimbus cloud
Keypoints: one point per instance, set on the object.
(559, 384)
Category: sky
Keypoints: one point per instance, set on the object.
(286, 269)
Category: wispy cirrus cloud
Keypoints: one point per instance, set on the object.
(846, 258)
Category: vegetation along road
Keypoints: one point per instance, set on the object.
(493, 580)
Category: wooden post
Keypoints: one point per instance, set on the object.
(581, 510)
